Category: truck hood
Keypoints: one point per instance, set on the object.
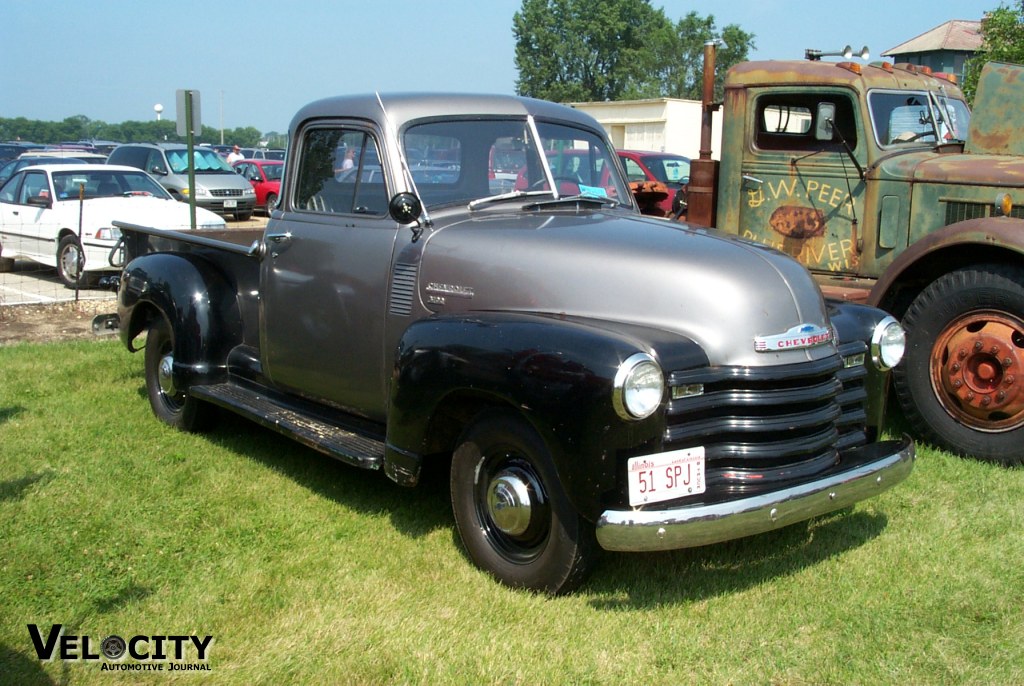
(974, 169)
(997, 121)
(719, 291)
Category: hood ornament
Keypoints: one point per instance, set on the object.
(800, 336)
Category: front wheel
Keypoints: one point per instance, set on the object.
(71, 263)
(961, 385)
(511, 511)
(171, 404)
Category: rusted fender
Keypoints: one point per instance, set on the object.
(995, 232)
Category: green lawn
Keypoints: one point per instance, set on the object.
(307, 571)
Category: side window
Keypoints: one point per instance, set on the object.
(340, 172)
(35, 185)
(787, 122)
(155, 162)
(633, 171)
(10, 189)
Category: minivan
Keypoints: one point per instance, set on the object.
(218, 187)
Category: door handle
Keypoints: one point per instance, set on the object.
(280, 238)
(751, 183)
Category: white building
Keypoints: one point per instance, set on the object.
(659, 124)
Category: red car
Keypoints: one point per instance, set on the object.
(668, 168)
(265, 177)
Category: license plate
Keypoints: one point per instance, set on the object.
(664, 476)
(230, 204)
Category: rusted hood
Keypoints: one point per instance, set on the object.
(997, 121)
(927, 166)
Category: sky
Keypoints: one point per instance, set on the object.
(256, 62)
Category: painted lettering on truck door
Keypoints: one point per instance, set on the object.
(801, 193)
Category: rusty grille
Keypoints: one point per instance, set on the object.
(762, 426)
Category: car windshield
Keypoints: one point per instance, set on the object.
(206, 162)
(462, 161)
(905, 117)
(103, 183)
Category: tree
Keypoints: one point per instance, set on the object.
(1002, 32)
(581, 50)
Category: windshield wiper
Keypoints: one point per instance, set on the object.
(511, 195)
(572, 200)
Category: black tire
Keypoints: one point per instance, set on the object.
(173, 406)
(243, 216)
(961, 384)
(271, 202)
(545, 547)
(71, 263)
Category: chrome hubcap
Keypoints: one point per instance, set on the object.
(509, 501)
(166, 373)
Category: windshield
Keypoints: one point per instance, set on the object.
(206, 162)
(462, 161)
(105, 184)
(903, 117)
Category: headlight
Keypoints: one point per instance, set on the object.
(888, 342)
(639, 386)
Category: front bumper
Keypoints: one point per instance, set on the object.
(877, 467)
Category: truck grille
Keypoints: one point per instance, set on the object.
(765, 425)
(226, 193)
(958, 211)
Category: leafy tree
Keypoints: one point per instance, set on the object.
(581, 50)
(1002, 31)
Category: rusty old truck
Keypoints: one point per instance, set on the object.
(589, 377)
(881, 181)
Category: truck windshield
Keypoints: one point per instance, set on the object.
(460, 161)
(907, 117)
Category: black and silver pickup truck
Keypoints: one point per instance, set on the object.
(466, 281)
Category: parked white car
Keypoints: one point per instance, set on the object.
(61, 215)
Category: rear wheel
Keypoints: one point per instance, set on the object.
(171, 404)
(511, 511)
(961, 385)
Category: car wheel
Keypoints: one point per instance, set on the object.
(71, 263)
(271, 203)
(243, 216)
(171, 404)
(511, 511)
(961, 385)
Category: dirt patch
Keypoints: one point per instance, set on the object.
(53, 322)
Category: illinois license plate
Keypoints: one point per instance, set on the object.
(664, 476)
(230, 204)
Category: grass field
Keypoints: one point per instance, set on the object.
(306, 571)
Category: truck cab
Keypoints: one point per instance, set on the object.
(880, 180)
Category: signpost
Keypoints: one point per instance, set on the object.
(189, 121)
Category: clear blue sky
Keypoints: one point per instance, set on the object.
(255, 62)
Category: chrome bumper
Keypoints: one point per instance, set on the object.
(886, 464)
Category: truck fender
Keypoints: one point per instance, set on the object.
(557, 373)
(972, 240)
(199, 304)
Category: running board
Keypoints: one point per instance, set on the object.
(352, 448)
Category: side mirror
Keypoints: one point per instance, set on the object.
(824, 121)
(156, 169)
(40, 201)
(405, 208)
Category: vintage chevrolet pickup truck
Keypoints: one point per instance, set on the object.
(592, 378)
